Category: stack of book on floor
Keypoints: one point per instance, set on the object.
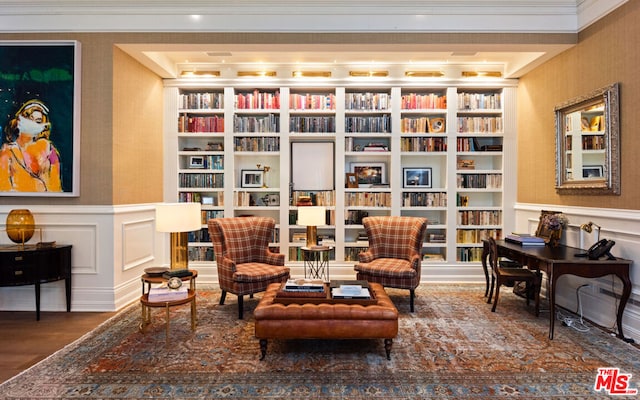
(163, 294)
(350, 290)
(525, 239)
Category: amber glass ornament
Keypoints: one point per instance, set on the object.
(20, 225)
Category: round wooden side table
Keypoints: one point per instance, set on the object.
(146, 305)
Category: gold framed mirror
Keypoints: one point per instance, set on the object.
(588, 143)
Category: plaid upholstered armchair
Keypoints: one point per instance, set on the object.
(245, 263)
(394, 255)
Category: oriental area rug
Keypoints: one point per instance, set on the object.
(451, 347)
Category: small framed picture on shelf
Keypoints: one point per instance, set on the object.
(592, 172)
(436, 125)
(369, 173)
(196, 162)
(251, 178)
(351, 179)
(416, 177)
(207, 200)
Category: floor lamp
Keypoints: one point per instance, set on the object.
(311, 217)
(179, 219)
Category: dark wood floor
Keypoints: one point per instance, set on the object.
(26, 341)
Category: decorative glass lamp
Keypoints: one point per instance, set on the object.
(20, 226)
(179, 219)
(311, 217)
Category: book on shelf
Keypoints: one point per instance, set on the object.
(525, 239)
(160, 294)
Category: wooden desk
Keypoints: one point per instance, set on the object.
(561, 260)
(34, 265)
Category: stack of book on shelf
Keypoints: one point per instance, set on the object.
(350, 289)
(525, 239)
(375, 147)
(362, 238)
(164, 294)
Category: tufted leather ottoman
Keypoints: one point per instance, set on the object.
(326, 321)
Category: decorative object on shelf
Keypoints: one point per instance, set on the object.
(265, 169)
(368, 174)
(196, 162)
(271, 199)
(416, 177)
(178, 219)
(551, 225)
(351, 179)
(252, 178)
(20, 226)
(436, 125)
(311, 217)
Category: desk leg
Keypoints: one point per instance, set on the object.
(626, 292)
(37, 285)
(552, 303)
(67, 287)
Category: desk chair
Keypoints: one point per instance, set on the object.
(502, 275)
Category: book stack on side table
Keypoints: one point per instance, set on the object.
(164, 294)
(525, 239)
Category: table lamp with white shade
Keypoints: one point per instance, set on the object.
(312, 217)
(179, 219)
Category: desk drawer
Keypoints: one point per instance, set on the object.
(17, 269)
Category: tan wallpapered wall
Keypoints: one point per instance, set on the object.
(138, 132)
(607, 52)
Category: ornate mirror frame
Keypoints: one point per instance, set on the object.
(588, 128)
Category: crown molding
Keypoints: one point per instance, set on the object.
(301, 15)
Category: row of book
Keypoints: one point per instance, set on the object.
(479, 101)
(201, 180)
(378, 124)
(368, 199)
(312, 124)
(269, 123)
(428, 144)
(480, 125)
(256, 143)
(318, 198)
(419, 101)
(258, 100)
(201, 101)
(421, 199)
(476, 235)
(208, 124)
(479, 217)
(475, 144)
(367, 101)
(479, 181)
(312, 101)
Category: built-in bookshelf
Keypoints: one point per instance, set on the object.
(434, 151)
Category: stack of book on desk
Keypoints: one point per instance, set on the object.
(162, 294)
(525, 239)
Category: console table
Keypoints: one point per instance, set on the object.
(561, 260)
(33, 265)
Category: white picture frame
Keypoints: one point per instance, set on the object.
(251, 178)
(416, 177)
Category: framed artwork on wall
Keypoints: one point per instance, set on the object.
(40, 111)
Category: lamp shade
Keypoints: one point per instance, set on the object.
(311, 216)
(178, 217)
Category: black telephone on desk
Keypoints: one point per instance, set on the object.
(599, 249)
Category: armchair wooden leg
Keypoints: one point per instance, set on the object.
(223, 296)
(240, 306)
(412, 296)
